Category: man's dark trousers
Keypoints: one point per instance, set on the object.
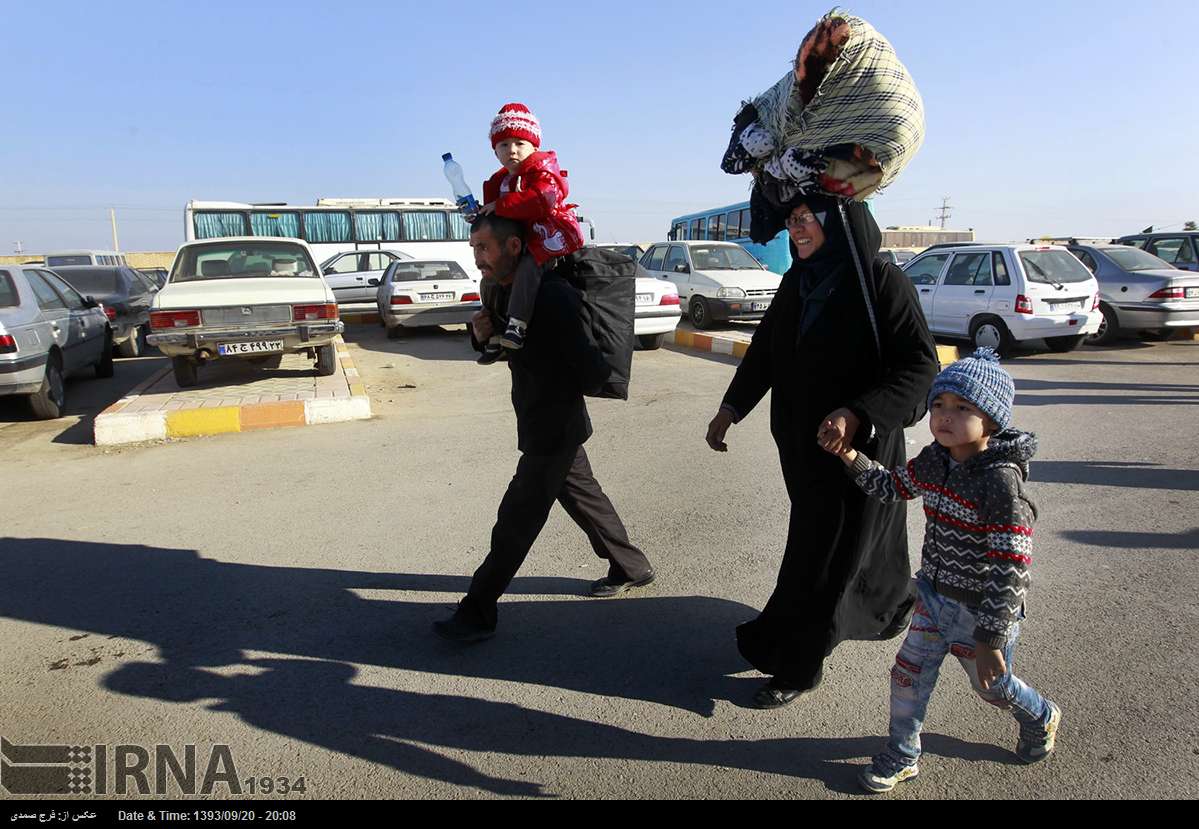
(540, 480)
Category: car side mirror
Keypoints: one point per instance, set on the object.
(682, 268)
(90, 302)
(328, 271)
(374, 283)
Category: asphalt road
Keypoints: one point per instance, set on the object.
(273, 592)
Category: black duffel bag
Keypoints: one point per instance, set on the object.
(607, 281)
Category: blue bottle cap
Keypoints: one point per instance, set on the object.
(448, 157)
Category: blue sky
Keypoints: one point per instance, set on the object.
(1043, 118)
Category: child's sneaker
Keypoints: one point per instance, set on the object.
(877, 780)
(514, 335)
(1035, 743)
(491, 353)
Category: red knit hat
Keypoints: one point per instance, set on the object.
(515, 121)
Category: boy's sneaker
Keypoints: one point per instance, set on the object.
(877, 780)
(1036, 743)
(491, 353)
(514, 335)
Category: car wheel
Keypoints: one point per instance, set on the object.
(104, 368)
(990, 332)
(134, 346)
(395, 332)
(51, 399)
(326, 360)
(701, 317)
(651, 342)
(185, 372)
(1063, 344)
(1109, 328)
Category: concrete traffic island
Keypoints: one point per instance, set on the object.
(236, 397)
(735, 342)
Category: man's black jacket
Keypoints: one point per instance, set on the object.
(549, 374)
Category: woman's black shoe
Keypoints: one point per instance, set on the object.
(771, 696)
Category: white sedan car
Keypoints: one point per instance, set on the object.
(658, 310)
(717, 281)
(416, 292)
(244, 298)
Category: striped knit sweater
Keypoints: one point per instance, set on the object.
(978, 537)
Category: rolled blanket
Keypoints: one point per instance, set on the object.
(846, 121)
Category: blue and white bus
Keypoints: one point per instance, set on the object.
(731, 224)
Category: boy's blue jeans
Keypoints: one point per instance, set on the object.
(942, 626)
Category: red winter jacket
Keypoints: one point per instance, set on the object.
(535, 195)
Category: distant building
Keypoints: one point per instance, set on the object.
(918, 238)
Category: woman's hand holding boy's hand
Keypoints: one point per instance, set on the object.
(836, 432)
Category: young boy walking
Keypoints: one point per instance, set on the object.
(532, 190)
(973, 574)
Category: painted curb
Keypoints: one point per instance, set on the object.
(711, 344)
(114, 426)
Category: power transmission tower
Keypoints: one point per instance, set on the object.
(946, 211)
(20, 249)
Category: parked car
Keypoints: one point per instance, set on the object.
(1180, 249)
(48, 331)
(417, 292)
(896, 256)
(716, 280)
(997, 295)
(158, 275)
(126, 295)
(658, 309)
(349, 275)
(1138, 291)
(244, 298)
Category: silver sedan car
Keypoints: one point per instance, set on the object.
(418, 292)
(1139, 292)
(48, 331)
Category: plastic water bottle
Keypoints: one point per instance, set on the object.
(462, 195)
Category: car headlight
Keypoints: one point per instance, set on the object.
(730, 293)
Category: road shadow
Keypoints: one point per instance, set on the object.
(1188, 540)
(1091, 393)
(1114, 473)
(204, 616)
(427, 343)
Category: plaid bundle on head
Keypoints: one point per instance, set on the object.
(867, 99)
(980, 380)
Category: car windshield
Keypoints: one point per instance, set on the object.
(904, 256)
(426, 271)
(723, 258)
(1053, 267)
(92, 280)
(631, 251)
(242, 260)
(1134, 259)
(8, 291)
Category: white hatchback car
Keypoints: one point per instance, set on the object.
(244, 298)
(349, 274)
(716, 280)
(658, 311)
(416, 292)
(997, 295)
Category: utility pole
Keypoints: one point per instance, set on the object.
(19, 249)
(116, 245)
(946, 211)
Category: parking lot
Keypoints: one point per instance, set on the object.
(273, 591)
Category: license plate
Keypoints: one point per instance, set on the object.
(1192, 293)
(645, 299)
(256, 347)
(759, 306)
(445, 297)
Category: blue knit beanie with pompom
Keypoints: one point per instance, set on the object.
(980, 380)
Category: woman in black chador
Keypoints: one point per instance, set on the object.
(845, 349)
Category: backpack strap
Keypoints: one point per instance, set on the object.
(866, 292)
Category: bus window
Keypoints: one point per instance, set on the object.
(212, 225)
(424, 226)
(732, 225)
(716, 227)
(699, 229)
(327, 226)
(745, 223)
(460, 228)
(284, 225)
(377, 227)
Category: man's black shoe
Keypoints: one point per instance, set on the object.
(458, 629)
(608, 587)
(775, 695)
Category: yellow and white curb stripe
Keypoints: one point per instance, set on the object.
(115, 426)
(708, 343)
